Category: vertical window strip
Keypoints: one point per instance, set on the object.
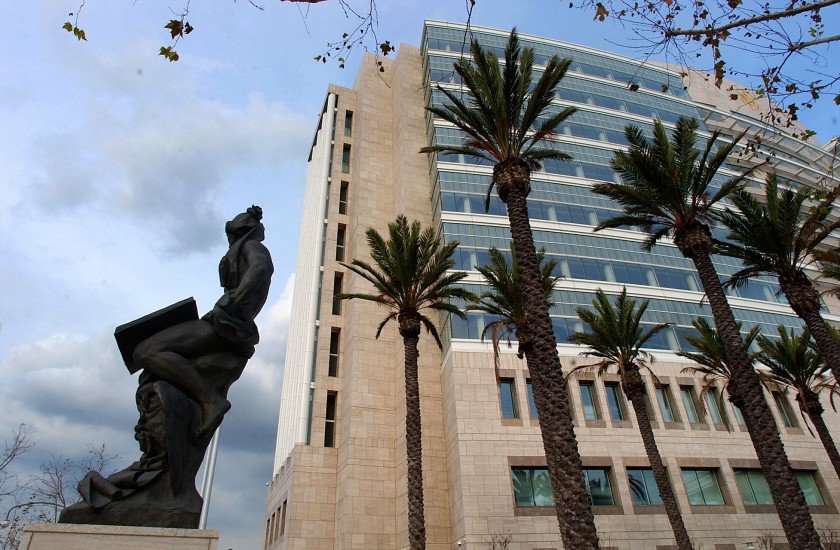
(507, 398)
(712, 398)
(784, 409)
(329, 422)
(348, 123)
(532, 405)
(587, 398)
(665, 407)
(335, 341)
(342, 197)
(614, 401)
(339, 242)
(687, 393)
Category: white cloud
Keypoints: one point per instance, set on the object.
(165, 167)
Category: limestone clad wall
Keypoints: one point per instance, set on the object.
(483, 447)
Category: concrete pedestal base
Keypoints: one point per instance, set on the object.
(64, 536)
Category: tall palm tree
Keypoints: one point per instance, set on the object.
(713, 365)
(410, 276)
(793, 362)
(505, 121)
(616, 336)
(504, 300)
(780, 237)
(665, 191)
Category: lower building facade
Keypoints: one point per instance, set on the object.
(340, 465)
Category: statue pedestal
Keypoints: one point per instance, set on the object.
(64, 536)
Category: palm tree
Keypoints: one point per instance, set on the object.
(616, 336)
(793, 362)
(665, 191)
(409, 276)
(780, 237)
(829, 266)
(505, 121)
(504, 299)
(713, 365)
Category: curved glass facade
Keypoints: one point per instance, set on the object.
(561, 197)
(590, 63)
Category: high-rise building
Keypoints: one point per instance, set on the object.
(340, 465)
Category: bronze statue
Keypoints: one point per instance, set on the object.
(188, 365)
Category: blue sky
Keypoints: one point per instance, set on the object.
(118, 170)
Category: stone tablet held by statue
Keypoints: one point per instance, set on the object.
(187, 364)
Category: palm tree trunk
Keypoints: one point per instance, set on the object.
(814, 410)
(572, 506)
(635, 390)
(787, 496)
(805, 302)
(413, 443)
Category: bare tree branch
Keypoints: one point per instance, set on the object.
(773, 16)
(802, 45)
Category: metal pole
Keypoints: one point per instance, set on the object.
(207, 479)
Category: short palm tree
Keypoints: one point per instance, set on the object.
(793, 362)
(713, 365)
(666, 191)
(411, 274)
(505, 118)
(504, 299)
(780, 236)
(616, 336)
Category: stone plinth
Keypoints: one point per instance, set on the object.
(62, 536)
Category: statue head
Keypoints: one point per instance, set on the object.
(245, 223)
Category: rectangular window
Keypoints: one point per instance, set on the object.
(808, 483)
(336, 306)
(329, 423)
(690, 403)
(339, 242)
(712, 405)
(532, 487)
(348, 123)
(278, 527)
(335, 340)
(507, 397)
(587, 398)
(663, 396)
(283, 518)
(614, 402)
(739, 416)
(342, 197)
(753, 487)
(784, 409)
(702, 487)
(643, 488)
(532, 405)
(597, 481)
(345, 159)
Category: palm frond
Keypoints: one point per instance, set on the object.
(615, 333)
(665, 181)
(499, 109)
(410, 272)
(779, 235)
